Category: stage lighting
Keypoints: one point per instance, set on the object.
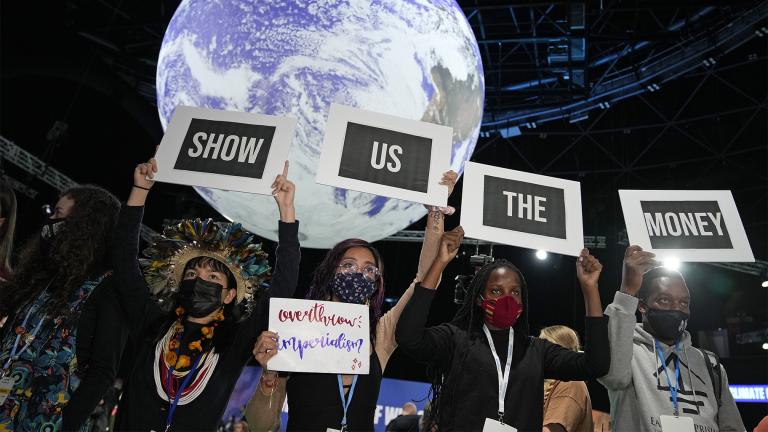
(765, 284)
(765, 346)
(672, 263)
(541, 254)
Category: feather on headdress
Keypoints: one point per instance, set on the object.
(229, 243)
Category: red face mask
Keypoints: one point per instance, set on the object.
(503, 312)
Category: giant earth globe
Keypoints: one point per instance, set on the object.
(416, 59)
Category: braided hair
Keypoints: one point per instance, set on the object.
(470, 318)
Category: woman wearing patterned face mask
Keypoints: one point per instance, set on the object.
(190, 355)
(352, 272)
(486, 369)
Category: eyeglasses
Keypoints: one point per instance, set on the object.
(370, 272)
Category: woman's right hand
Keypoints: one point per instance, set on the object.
(144, 173)
(449, 244)
(265, 348)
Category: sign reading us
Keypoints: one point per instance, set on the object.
(687, 225)
(521, 209)
(224, 149)
(385, 155)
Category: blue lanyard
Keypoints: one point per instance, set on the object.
(14, 354)
(180, 390)
(346, 401)
(672, 389)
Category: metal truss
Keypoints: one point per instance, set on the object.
(46, 173)
(417, 236)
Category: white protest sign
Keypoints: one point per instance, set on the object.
(688, 225)
(385, 155)
(320, 336)
(521, 209)
(224, 149)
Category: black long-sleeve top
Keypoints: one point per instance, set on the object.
(142, 407)
(470, 388)
(102, 331)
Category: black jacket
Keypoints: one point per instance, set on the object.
(470, 389)
(142, 407)
(404, 423)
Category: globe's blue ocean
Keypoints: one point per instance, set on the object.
(410, 58)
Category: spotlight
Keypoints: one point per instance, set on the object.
(672, 263)
(765, 346)
(765, 284)
(541, 254)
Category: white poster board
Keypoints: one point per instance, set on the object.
(385, 155)
(224, 149)
(688, 225)
(522, 209)
(320, 336)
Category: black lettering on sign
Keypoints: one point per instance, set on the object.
(386, 157)
(222, 147)
(524, 207)
(685, 225)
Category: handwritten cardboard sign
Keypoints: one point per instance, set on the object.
(320, 336)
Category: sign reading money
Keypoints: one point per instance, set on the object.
(385, 155)
(224, 149)
(686, 225)
(521, 209)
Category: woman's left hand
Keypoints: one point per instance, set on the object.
(284, 191)
(265, 348)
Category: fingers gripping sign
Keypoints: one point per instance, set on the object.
(636, 263)
(265, 348)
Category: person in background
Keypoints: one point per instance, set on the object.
(47, 347)
(567, 406)
(486, 369)
(209, 306)
(351, 272)
(7, 229)
(656, 373)
(407, 421)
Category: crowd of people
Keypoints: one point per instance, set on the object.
(90, 324)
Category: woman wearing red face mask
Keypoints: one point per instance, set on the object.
(487, 368)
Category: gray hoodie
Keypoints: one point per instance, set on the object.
(637, 385)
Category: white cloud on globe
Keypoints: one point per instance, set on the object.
(416, 59)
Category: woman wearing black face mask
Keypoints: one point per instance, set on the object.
(486, 367)
(196, 335)
(60, 305)
(352, 273)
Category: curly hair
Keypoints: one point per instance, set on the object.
(77, 252)
(320, 287)
(8, 229)
(470, 317)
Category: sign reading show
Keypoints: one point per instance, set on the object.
(385, 155)
(521, 209)
(320, 336)
(224, 149)
(686, 225)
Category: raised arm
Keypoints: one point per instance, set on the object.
(287, 255)
(132, 289)
(621, 313)
(563, 364)
(434, 344)
(385, 330)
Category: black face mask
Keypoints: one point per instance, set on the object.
(199, 297)
(667, 324)
(51, 227)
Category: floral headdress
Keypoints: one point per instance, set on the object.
(228, 243)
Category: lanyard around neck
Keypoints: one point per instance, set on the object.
(346, 400)
(180, 390)
(15, 353)
(503, 376)
(672, 388)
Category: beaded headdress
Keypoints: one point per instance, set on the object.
(228, 243)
